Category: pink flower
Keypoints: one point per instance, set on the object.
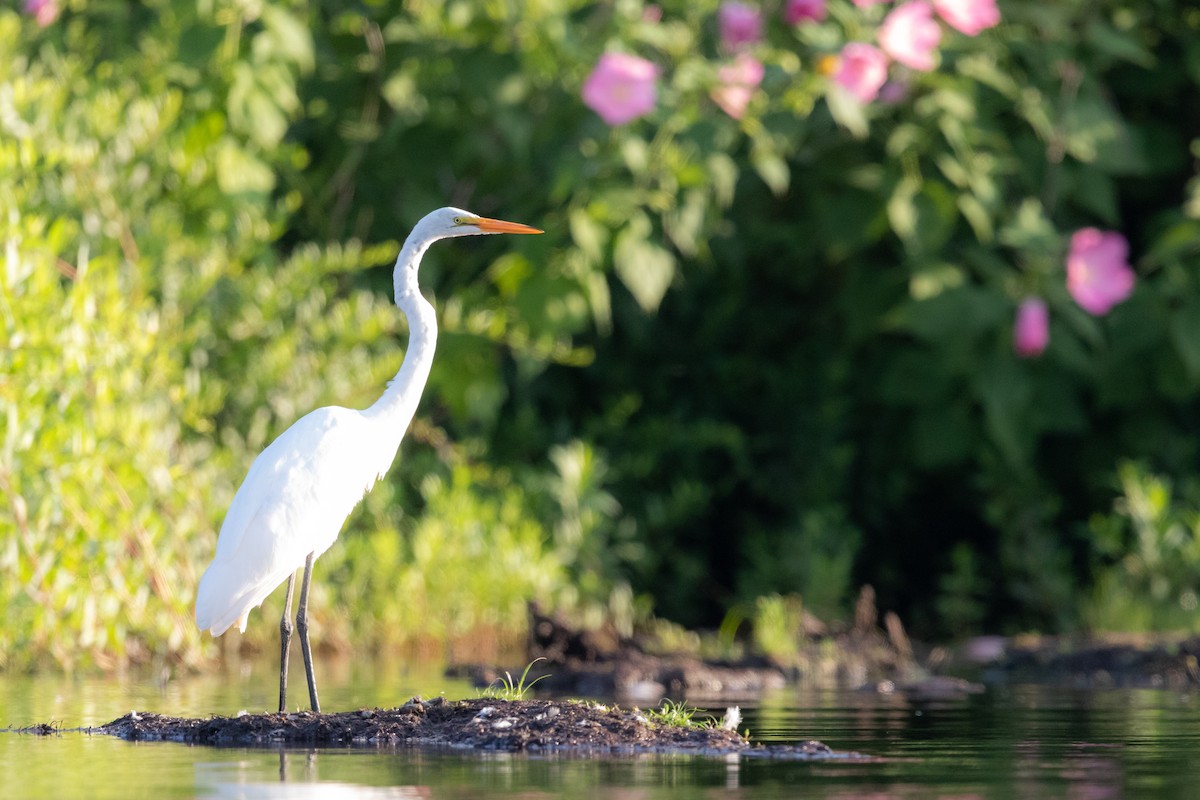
(1098, 272)
(1031, 331)
(862, 69)
(911, 35)
(798, 11)
(737, 84)
(43, 11)
(968, 16)
(621, 88)
(740, 24)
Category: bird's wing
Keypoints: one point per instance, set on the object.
(293, 502)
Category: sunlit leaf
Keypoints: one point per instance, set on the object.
(847, 111)
(645, 268)
(288, 36)
(238, 172)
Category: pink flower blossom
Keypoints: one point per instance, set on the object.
(911, 35)
(740, 24)
(1031, 331)
(621, 88)
(798, 11)
(968, 16)
(43, 11)
(1098, 271)
(737, 84)
(862, 69)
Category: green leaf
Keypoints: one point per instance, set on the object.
(645, 268)
(1097, 134)
(198, 43)
(403, 94)
(253, 110)
(772, 169)
(977, 217)
(936, 216)
(589, 236)
(724, 174)
(286, 36)
(901, 208)
(686, 224)
(847, 112)
(933, 279)
(1030, 229)
(239, 172)
(599, 300)
(922, 213)
(1180, 240)
(1107, 39)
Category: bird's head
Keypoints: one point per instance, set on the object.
(449, 221)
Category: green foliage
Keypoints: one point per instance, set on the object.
(676, 715)
(750, 356)
(815, 560)
(469, 563)
(125, 197)
(1151, 548)
(778, 626)
(94, 477)
(962, 602)
(508, 689)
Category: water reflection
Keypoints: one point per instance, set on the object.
(246, 685)
(409, 773)
(242, 779)
(322, 773)
(1008, 742)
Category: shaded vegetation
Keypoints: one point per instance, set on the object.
(758, 358)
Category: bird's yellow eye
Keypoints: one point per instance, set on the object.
(460, 220)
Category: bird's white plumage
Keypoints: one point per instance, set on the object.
(293, 502)
(300, 489)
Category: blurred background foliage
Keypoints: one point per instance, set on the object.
(767, 357)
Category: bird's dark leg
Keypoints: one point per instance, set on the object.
(302, 626)
(285, 641)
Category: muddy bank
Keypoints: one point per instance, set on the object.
(873, 652)
(1129, 661)
(567, 660)
(484, 724)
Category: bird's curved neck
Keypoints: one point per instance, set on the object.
(399, 400)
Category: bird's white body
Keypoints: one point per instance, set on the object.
(293, 502)
(300, 489)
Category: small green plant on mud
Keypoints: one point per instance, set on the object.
(508, 689)
(676, 714)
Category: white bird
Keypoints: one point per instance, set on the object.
(299, 491)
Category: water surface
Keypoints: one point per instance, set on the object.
(1015, 741)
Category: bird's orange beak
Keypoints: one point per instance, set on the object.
(488, 225)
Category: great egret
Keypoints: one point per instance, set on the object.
(300, 490)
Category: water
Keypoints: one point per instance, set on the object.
(1017, 741)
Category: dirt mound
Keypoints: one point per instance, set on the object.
(478, 724)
